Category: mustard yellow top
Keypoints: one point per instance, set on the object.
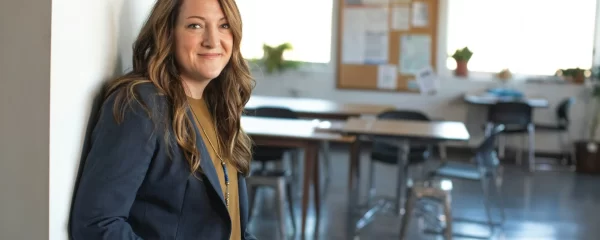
(203, 115)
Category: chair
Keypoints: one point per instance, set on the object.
(279, 179)
(561, 127)
(281, 182)
(388, 154)
(517, 117)
(486, 169)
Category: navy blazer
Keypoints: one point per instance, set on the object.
(132, 187)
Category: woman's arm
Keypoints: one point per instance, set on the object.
(114, 169)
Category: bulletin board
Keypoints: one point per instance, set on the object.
(382, 44)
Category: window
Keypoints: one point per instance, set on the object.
(306, 24)
(529, 37)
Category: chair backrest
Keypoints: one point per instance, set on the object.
(382, 147)
(485, 155)
(562, 111)
(274, 112)
(510, 113)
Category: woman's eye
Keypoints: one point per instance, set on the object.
(194, 26)
(226, 26)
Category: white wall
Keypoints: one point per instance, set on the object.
(24, 118)
(91, 42)
(54, 57)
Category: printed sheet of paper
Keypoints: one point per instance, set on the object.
(353, 38)
(376, 35)
(420, 14)
(415, 53)
(427, 80)
(365, 36)
(353, 2)
(376, 2)
(387, 77)
(401, 18)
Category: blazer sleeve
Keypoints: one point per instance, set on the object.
(115, 167)
(248, 236)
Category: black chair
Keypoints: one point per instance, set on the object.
(562, 128)
(486, 169)
(385, 153)
(517, 117)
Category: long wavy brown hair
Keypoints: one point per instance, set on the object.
(154, 61)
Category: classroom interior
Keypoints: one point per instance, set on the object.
(372, 119)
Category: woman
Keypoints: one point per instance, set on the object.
(167, 156)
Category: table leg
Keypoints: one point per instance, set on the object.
(353, 188)
(316, 186)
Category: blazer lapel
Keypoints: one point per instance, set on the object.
(206, 163)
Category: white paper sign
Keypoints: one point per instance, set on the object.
(365, 35)
(376, 49)
(353, 38)
(377, 2)
(401, 18)
(420, 14)
(415, 53)
(387, 76)
(427, 80)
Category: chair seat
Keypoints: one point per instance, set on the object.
(389, 154)
(550, 127)
(458, 170)
(514, 129)
(270, 173)
(265, 154)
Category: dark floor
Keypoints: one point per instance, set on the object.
(543, 205)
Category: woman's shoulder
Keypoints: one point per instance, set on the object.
(137, 98)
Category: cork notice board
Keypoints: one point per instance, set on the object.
(382, 44)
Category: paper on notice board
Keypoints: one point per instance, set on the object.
(401, 18)
(415, 53)
(420, 14)
(377, 2)
(376, 35)
(427, 80)
(353, 38)
(387, 76)
(353, 2)
(376, 49)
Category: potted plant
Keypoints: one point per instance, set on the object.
(462, 57)
(576, 75)
(587, 150)
(273, 60)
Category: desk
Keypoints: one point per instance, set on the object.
(489, 99)
(301, 134)
(317, 108)
(399, 133)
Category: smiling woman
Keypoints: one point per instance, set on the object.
(159, 165)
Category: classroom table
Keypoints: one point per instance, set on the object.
(317, 108)
(484, 98)
(400, 133)
(301, 134)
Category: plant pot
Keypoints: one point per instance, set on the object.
(461, 69)
(587, 154)
(579, 78)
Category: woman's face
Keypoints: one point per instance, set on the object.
(203, 40)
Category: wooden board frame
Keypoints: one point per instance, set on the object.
(364, 77)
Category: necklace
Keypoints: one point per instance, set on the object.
(223, 165)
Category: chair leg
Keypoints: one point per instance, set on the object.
(497, 178)
(501, 146)
(327, 160)
(371, 184)
(520, 150)
(563, 147)
(531, 146)
(281, 195)
(408, 210)
(448, 216)
(291, 205)
(486, 202)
